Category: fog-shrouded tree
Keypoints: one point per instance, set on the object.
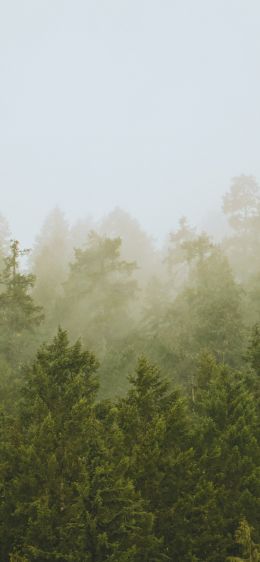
(80, 231)
(175, 262)
(241, 205)
(136, 245)
(176, 252)
(50, 260)
(5, 237)
(100, 306)
(206, 314)
(98, 293)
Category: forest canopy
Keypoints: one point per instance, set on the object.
(130, 390)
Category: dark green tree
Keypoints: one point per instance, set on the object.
(67, 497)
(157, 437)
(19, 316)
(253, 351)
(228, 450)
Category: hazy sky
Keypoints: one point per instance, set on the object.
(152, 105)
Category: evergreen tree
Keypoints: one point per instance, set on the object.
(67, 497)
(241, 205)
(136, 245)
(253, 351)
(228, 450)
(99, 305)
(156, 427)
(19, 316)
(251, 552)
(175, 260)
(50, 261)
(206, 314)
(4, 241)
(99, 290)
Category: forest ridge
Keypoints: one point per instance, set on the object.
(130, 391)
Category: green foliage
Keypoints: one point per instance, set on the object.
(4, 240)
(18, 313)
(250, 551)
(206, 314)
(134, 469)
(229, 450)
(253, 351)
(98, 295)
(68, 497)
(155, 424)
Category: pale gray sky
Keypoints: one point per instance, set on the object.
(151, 105)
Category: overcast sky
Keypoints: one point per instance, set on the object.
(151, 105)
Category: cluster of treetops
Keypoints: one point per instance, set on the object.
(130, 391)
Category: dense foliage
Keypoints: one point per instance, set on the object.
(141, 441)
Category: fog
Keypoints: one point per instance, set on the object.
(146, 105)
(129, 280)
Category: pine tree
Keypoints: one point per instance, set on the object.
(156, 427)
(253, 351)
(99, 298)
(136, 247)
(19, 316)
(243, 536)
(227, 448)
(67, 495)
(206, 314)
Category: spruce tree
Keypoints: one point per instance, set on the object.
(227, 448)
(156, 427)
(243, 537)
(68, 497)
(19, 316)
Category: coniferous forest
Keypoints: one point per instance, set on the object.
(130, 390)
